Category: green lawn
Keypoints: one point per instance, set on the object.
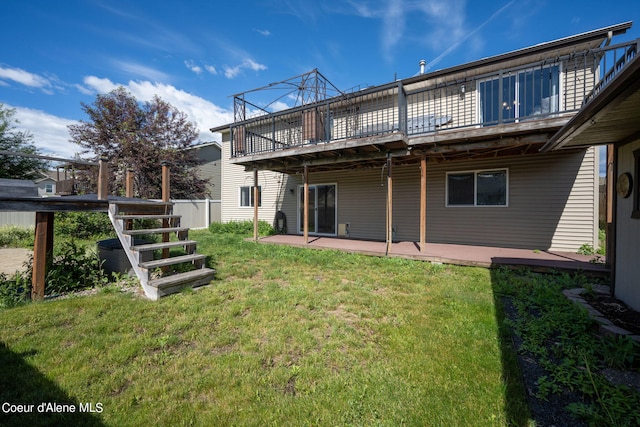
(284, 336)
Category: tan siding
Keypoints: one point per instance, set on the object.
(552, 206)
(627, 286)
(543, 213)
(274, 190)
(578, 80)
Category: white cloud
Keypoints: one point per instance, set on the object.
(99, 85)
(50, 133)
(211, 69)
(141, 70)
(193, 67)
(265, 33)
(200, 111)
(24, 77)
(231, 72)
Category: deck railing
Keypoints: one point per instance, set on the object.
(546, 88)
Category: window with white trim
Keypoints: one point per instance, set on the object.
(247, 196)
(478, 188)
(48, 188)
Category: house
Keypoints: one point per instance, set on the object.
(210, 167)
(450, 156)
(47, 184)
(611, 116)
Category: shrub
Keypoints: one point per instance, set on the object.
(74, 268)
(14, 290)
(83, 225)
(241, 227)
(10, 235)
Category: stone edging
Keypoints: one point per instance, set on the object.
(606, 326)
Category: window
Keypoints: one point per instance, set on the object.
(635, 213)
(48, 188)
(247, 197)
(519, 94)
(477, 188)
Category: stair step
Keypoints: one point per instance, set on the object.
(143, 216)
(171, 261)
(155, 230)
(163, 245)
(171, 284)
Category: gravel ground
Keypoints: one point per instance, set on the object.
(13, 259)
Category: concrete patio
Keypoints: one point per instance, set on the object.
(481, 256)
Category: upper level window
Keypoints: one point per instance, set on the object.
(477, 188)
(519, 94)
(247, 197)
(48, 188)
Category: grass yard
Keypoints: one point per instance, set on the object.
(284, 336)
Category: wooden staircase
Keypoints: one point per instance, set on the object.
(123, 215)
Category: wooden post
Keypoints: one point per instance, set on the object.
(610, 238)
(256, 198)
(389, 205)
(129, 183)
(103, 178)
(305, 225)
(166, 197)
(42, 253)
(128, 192)
(423, 203)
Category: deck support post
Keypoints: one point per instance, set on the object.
(42, 253)
(423, 203)
(609, 231)
(128, 192)
(389, 230)
(256, 199)
(166, 197)
(305, 209)
(103, 178)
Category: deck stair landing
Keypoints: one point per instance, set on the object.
(124, 216)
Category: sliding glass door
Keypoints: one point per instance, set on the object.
(322, 209)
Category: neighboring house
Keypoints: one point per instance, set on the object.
(612, 116)
(451, 156)
(47, 184)
(211, 166)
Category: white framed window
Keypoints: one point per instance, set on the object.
(48, 188)
(246, 196)
(478, 188)
(519, 94)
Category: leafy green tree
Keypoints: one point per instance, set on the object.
(17, 167)
(140, 136)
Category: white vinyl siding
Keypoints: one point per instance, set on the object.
(627, 251)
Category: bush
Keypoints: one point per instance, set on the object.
(73, 268)
(13, 236)
(241, 227)
(14, 290)
(83, 225)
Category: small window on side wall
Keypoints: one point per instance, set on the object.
(636, 185)
(247, 197)
(477, 188)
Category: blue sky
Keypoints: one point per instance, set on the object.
(195, 54)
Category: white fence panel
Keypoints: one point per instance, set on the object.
(194, 213)
(197, 213)
(18, 219)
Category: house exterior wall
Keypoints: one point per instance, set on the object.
(211, 168)
(552, 203)
(627, 235)
(274, 186)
